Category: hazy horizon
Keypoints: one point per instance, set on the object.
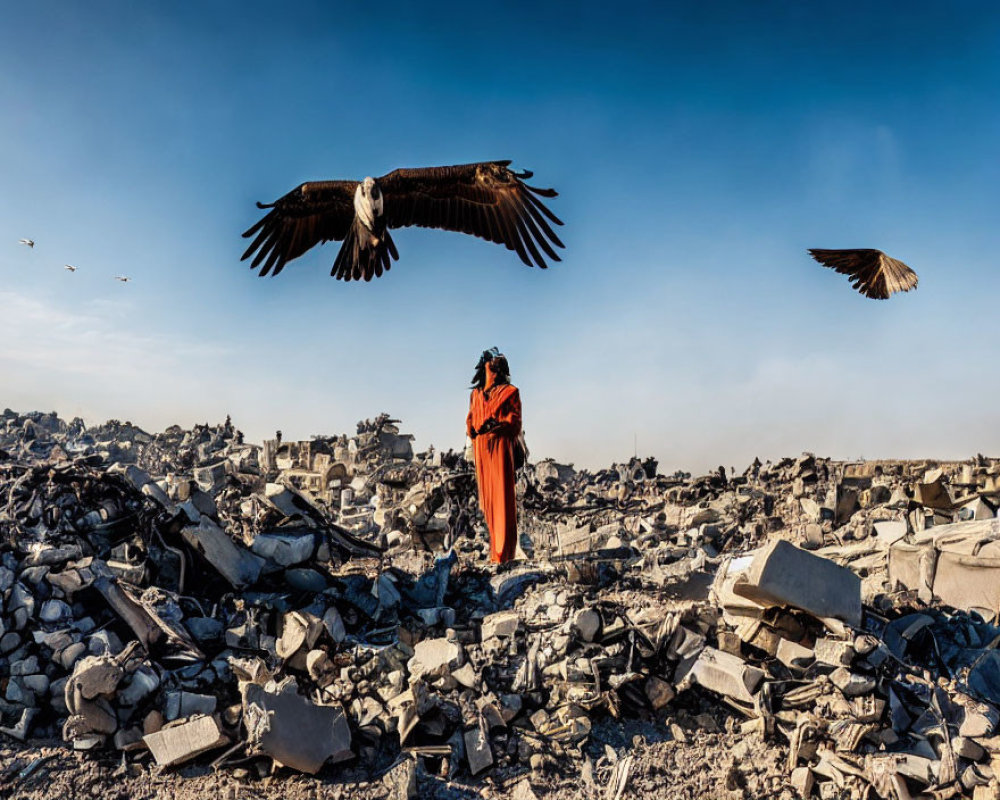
(420, 444)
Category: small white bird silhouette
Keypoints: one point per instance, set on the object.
(122, 278)
(28, 242)
(70, 267)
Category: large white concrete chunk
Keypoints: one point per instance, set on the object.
(782, 574)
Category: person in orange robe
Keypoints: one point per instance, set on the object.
(494, 423)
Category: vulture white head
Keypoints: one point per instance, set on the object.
(368, 203)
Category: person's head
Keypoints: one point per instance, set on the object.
(492, 363)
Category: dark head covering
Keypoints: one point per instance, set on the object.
(500, 367)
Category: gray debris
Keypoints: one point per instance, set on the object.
(312, 601)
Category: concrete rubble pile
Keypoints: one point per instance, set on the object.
(188, 596)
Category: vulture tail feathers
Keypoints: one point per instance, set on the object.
(361, 258)
(390, 247)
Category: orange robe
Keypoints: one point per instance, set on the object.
(495, 464)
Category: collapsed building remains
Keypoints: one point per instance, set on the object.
(189, 597)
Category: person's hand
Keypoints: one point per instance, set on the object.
(489, 425)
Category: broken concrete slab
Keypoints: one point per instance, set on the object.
(890, 531)
(477, 749)
(958, 564)
(292, 730)
(284, 549)
(180, 704)
(794, 656)
(978, 719)
(182, 742)
(721, 672)
(502, 624)
(834, 652)
(235, 563)
(435, 658)
(782, 574)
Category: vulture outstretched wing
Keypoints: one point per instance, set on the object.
(312, 213)
(871, 272)
(487, 200)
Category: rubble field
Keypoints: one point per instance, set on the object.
(186, 615)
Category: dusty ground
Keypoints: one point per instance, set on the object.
(696, 753)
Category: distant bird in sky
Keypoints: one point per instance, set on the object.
(871, 272)
(28, 242)
(122, 278)
(486, 199)
(70, 267)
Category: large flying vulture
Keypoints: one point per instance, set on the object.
(871, 272)
(487, 200)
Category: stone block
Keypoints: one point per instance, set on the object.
(834, 652)
(659, 692)
(284, 549)
(784, 575)
(235, 563)
(94, 676)
(723, 673)
(587, 623)
(477, 750)
(180, 743)
(435, 658)
(794, 656)
(188, 704)
(802, 782)
(294, 731)
(967, 748)
(851, 684)
(503, 623)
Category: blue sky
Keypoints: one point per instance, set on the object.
(698, 149)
